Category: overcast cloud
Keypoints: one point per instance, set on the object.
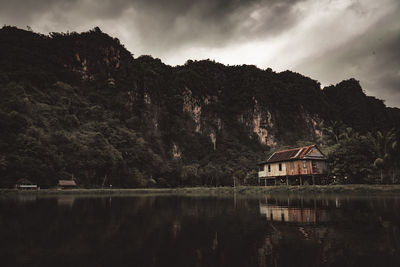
(328, 40)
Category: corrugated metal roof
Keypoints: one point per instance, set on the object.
(291, 154)
(283, 155)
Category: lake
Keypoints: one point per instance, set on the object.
(187, 231)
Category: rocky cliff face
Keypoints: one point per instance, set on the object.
(85, 106)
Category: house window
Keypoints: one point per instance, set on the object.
(280, 166)
(304, 164)
(269, 167)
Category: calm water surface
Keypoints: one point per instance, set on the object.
(199, 231)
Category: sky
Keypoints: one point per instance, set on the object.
(327, 40)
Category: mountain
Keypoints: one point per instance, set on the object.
(81, 105)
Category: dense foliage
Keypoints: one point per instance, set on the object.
(362, 158)
(80, 105)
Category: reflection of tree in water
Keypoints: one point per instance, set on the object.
(183, 231)
(143, 231)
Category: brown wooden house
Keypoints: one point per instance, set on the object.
(294, 166)
(67, 184)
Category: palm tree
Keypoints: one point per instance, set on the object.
(383, 145)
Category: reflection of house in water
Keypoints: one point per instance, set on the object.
(293, 214)
(26, 198)
(176, 228)
(304, 223)
(291, 221)
(66, 201)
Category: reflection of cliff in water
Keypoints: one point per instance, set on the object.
(201, 231)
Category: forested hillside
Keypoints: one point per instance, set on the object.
(82, 106)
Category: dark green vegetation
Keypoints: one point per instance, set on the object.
(363, 158)
(81, 105)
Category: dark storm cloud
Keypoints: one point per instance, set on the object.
(214, 23)
(329, 40)
(372, 57)
(170, 23)
(22, 12)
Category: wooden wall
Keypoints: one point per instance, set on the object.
(297, 167)
(322, 166)
(275, 169)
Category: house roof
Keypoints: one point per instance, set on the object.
(23, 181)
(66, 182)
(295, 154)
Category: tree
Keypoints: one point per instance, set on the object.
(189, 173)
(352, 160)
(395, 159)
(211, 173)
(334, 132)
(385, 146)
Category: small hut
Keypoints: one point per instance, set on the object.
(67, 184)
(25, 184)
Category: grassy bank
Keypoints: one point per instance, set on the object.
(216, 191)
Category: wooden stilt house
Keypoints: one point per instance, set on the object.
(294, 166)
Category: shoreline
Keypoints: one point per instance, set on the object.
(220, 191)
